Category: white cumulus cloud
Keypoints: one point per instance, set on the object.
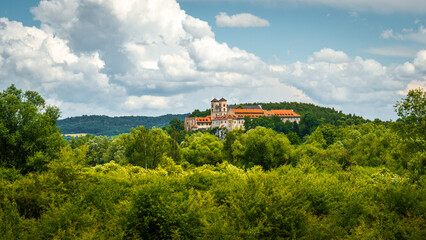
(359, 85)
(330, 55)
(127, 57)
(420, 61)
(34, 59)
(240, 20)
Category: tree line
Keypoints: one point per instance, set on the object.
(364, 181)
(112, 126)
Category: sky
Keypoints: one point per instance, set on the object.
(155, 57)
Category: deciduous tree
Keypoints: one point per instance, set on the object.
(29, 138)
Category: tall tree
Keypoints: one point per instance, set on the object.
(412, 124)
(233, 142)
(29, 138)
(308, 123)
(202, 148)
(266, 148)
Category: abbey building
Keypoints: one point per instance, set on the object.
(231, 117)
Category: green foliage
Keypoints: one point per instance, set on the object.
(233, 146)
(10, 174)
(176, 124)
(202, 148)
(76, 142)
(147, 147)
(248, 124)
(176, 130)
(163, 210)
(11, 223)
(412, 124)
(266, 148)
(97, 146)
(215, 202)
(29, 138)
(294, 138)
(413, 107)
(198, 113)
(308, 123)
(274, 123)
(261, 122)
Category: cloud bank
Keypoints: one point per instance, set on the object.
(331, 77)
(132, 57)
(151, 58)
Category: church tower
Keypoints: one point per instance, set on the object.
(219, 107)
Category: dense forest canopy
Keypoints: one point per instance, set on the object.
(340, 181)
(111, 126)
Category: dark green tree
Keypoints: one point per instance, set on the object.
(198, 113)
(29, 138)
(248, 124)
(176, 124)
(176, 130)
(308, 123)
(295, 128)
(263, 122)
(294, 138)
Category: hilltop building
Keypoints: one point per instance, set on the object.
(232, 116)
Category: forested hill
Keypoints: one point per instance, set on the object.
(110, 126)
(323, 114)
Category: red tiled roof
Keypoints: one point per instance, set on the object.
(268, 113)
(255, 113)
(248, 111)
(285, 113)
(204, 119)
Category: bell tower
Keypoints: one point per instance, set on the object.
(215, 108)
(219, 107)
(223, 106)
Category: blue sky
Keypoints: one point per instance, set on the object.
(156, 57)
(297, 31)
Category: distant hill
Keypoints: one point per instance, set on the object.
(111, 126)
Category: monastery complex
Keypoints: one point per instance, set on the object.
(231, 117)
